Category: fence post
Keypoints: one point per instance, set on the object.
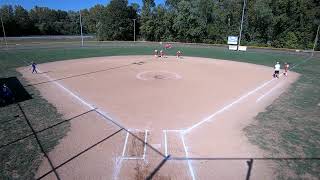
(249, 163)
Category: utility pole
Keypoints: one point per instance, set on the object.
(134, 30)
(316, 40)
(81, 29)
(244, 6)
(4, 32)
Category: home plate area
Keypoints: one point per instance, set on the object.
(140, 157)
(133, 147)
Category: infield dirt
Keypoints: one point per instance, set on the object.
(159, 95)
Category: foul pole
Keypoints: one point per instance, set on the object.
(4, 32)
(316, 40)
(134, 30)
(81, 28)
(244, 6)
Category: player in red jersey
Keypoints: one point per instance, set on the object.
(286, 68)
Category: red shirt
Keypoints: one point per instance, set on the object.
(286, 67)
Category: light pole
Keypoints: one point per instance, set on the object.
(134, 30)
(244, 6)
(316, 40)
(81, 29)
(4, 32)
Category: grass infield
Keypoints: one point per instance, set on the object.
(289, 127)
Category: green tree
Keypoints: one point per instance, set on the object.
(7, 13)
(279, 23)
(92, 17)
(260, 23)
(116, 23)
(147, 21)
(22, 20)
(188, 23)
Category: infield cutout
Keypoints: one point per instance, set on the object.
(157, 75)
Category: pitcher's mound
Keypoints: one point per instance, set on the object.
(158, 75)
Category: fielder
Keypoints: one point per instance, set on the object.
(7, 94)
(179, 54)
(34, 67)
(276, 70)
(156, 53)
(161, 53)
(168, 46)
(286, 68)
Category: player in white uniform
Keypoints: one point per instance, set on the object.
(276, 70)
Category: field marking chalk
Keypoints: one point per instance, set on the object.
(132, 158)
(187, 155)
(174, 130)
(125, 145)
(145, 144)
(118, 164)
(242, 97)
(267, 93)
(165, 143)
(228, 106)
(137, 130)
(118, 161)
(81, 99)
(71, 93)
(182, 132)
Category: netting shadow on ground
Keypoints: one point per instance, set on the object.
(235, 168)
(138, 159)
(134, 157)
(78, 75)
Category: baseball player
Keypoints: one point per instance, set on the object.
(34, 67)
(7, 94)
(168, 46)
(156, 54)
(161, 53)
(179, 54)
(286, 68)
(276, 70)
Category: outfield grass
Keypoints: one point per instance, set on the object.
(288, 127)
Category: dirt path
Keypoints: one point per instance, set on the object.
(145, 93)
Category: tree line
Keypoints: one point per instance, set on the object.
(276, 23)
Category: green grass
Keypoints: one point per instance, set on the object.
(288, 127)
(21, 159)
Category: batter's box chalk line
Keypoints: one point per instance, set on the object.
(180, 133)
(143, 157)
(165, 132)
(119, 160)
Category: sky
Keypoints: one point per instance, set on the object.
(64, 4)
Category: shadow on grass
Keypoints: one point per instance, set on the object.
(21, 159)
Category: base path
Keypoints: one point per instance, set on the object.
(156, 99)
